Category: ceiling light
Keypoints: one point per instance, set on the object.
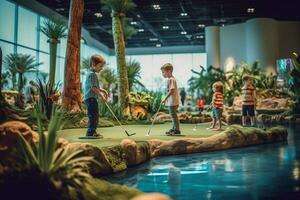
(153, 39)
(165, 27)
(201, 25)
(183, 32)
(158, 45)
(98, 14)
(156, 6)
(140, 30)
(250, 10)
(223, 25)
(183, 14)
(139, 16)
(133, 23)
(200, 36)
(59, 9)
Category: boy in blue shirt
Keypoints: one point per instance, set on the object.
(92, 91)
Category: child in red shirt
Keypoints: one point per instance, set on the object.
(200, 104)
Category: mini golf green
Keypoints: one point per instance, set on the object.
(114, 135)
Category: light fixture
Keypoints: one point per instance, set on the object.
(140, 30)
(139, 16)
(200, 36)
(201, 25)
(183, 32)
(133, 23)
(158, 45)
(59, 9)
(98, 14)
(153, 39)
(250, 10)
(165, 27)
(223, 25)
(183, 14)
(82, 40)
(156, 6)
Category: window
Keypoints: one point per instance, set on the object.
(7, 20)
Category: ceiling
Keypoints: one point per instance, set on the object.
(178, 22)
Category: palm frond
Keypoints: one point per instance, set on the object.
(54, 29)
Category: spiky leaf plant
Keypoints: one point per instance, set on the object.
(64, 171)
(134, 74)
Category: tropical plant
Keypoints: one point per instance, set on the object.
(140, 98)
(4, 79)
(47, 97)
(128, 30)
(54, 30)
(107, 77)
(156, 101)
(85, 65)
(21, 64)
(104, 111)
(201, 82)
(66, 171)
(295, 83)
(118, 9)
(134, 74)
(43, 76)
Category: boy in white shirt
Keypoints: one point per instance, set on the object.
(172, 97)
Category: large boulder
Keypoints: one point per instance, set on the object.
(97, 153)
(232, 137)
(135, 153)
(9, 134)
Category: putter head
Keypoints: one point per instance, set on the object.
(128, 134)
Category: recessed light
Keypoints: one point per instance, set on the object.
(250, 10)
(183, 32)
(140, 30)
(165, 27)
(158, 45)
(201, 25)
(153, 39)
(223, 25)
(98, 14)
(59, 9)
(139, 16)
(200, 36)
(183, 14)
(133, 23)
(156, 6)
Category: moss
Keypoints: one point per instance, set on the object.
(108, 191)
(115, 157)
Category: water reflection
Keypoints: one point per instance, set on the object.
(259, 172)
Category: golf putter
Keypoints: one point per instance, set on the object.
(128, 134)
(148, 134)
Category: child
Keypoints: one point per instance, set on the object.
(201, 104)
(91, 93)
(217, 103)
(248, 100)
(172, 97)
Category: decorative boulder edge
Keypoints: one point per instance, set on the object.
(234, 136)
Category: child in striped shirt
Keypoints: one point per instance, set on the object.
(248, 100)
(217, 103)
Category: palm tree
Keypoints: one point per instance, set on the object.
(54, 30)
(128, 30)
(21, 64)
(134, 74)
(118, 9)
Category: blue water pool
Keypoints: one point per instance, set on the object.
(259, 172)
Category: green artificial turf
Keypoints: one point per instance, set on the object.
(114, 135)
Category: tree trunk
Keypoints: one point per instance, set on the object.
(53, 52)
(71, 99)
(121, 62)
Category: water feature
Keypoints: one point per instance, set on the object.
(270, 171)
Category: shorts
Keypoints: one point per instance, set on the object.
(217, 113)
(248, 110)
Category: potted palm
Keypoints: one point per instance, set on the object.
(55, 30)
(118, 9)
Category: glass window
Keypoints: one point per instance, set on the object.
(7, 20)
(44, 45)
(27, 28)
(45, 59)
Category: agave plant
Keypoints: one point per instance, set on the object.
(134, 74)
(118, 9)
(66, 171)
(54, 30)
